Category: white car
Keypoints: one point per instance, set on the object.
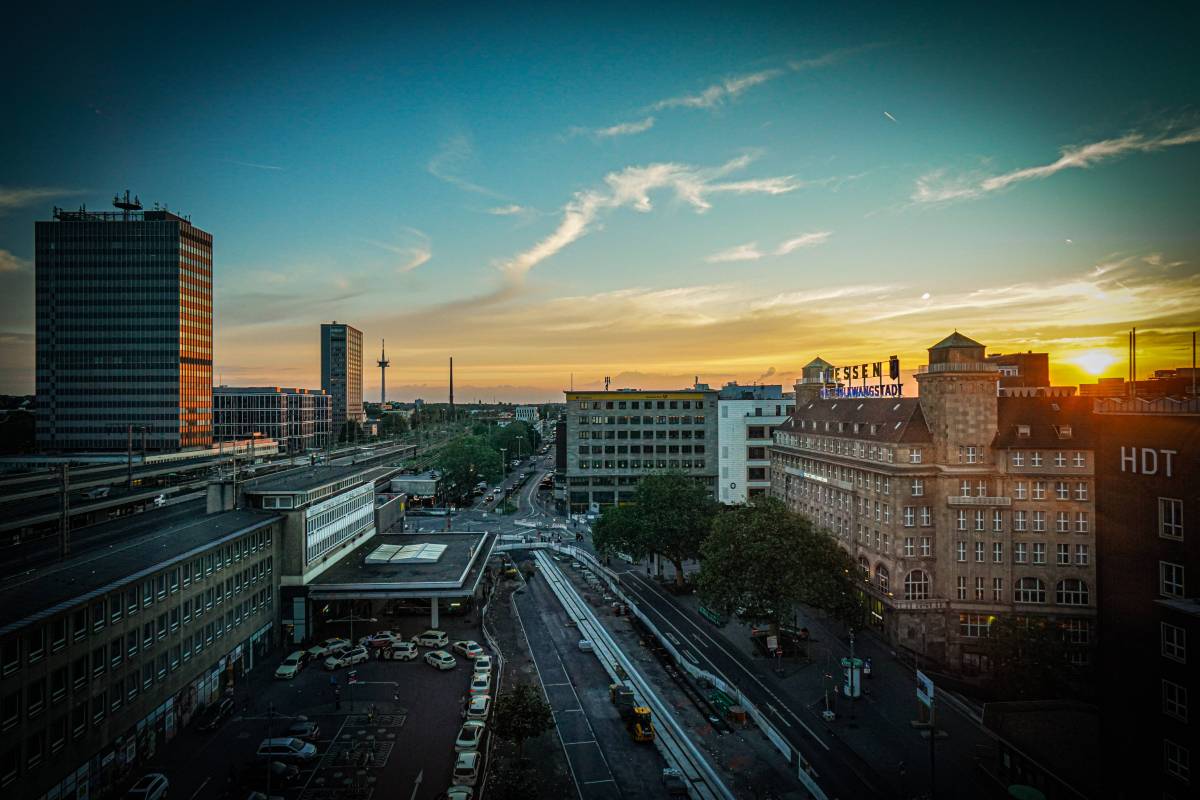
(160, 501)
(152, 786)
(291, 665)
(468, 648)
(323, 649)
(482, 664)
(466, 768)
(356, 655)
(378, 639)
(440, 659)
(481, 682)
(469, 735)
(460, 793)
(432, 638)
(585, 646)
(402, 651)
(479, 706)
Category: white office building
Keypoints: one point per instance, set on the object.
(745, 417)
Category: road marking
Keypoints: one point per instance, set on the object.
(569, 710)
(699, 639)
(564, 683)
(775, 711)
(581, 741)
(200, 788)
(605, 780)
(416, 785)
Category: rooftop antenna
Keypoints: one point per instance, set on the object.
(607, 381)
(126, 205)
(383, 364)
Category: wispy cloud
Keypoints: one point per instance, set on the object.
(413, 254)
(512, 210)
(17, 197)
(631, 188)
(751, 252)
(450, 161)
(719, 93)
(11, 263)
(939, 186)
(253, 165)
(620, 129)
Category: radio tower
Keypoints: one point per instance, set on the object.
(383, 364)
(452, 387)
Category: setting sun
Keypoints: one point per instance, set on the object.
(1095, 362)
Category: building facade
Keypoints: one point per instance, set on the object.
(341, 372)
(527, 414)
(124, 331)
(298, 419)
(1148, 505)
(100, 666)
(745, 419)
(959, 506)
(615, 438)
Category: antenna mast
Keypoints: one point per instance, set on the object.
(383, 364)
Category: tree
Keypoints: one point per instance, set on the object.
(392, 424)
(517, 438)
(762, 560)
(521, 713)
(464, 463)
(1029, 660)
(619, 530)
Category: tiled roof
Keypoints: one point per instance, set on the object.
(955, 339)
(894, 420)
(1065, 422)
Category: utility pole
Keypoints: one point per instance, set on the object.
(129, 456)
(65, 522)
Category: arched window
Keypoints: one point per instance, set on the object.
(865, 566)
(882, 577)
(1029, 590)
(1071, 592)
(916, 585)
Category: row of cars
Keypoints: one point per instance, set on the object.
(468, 745)
(337, 653)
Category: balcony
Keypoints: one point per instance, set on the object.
(979, 501)
(957, 366)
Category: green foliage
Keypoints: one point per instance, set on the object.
(392, 424)
(516, 438)
(764, 560)
(619, 529)
(521, 713)
(464, 463)
(515, 780)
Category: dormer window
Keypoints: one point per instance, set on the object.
(856, 427)
(1023, 431)
(1064, 431)
(873, 429)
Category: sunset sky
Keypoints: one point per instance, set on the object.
(632, 191)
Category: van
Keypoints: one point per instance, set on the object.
(286, 749)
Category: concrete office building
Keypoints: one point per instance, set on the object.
(527, 414)
(298, 419)
(341, 372)
(614, 438)
(105, 656)
(124, 330)
(958, 506)
(1148, 504)
(747, 414)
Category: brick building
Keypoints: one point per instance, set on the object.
(959, 505)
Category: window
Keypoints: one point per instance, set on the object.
(1170, 518)
(981, 489)
(1030, 590)
(1039, 520)
(882, 577)
(1017, 458)
(1081, 491)
(962, 587)
(1060, 458)
(1021, 490)
(960, 549)
(997, 552)
(974, 625)
(1170, 579)
(1019, 553)
(918, 487)
(1174, 642)
(1064, 554)
(910, 516)
(10, 710)
(979, 588)
(1174, 700)
(1020, 521)
(1062, 522)
(1035, 459)
(1039, 490)
(914, 455)
(1078, 460)
(926, 516)
(1039, 552)
(916, 585)
(909, 547)
(1081, 522)
(979, 553)
(979, 519)
(1082, 555)
(1175, 760)
(926, 546)
(964, 489)
(961, 520)
(1062, 491)
(1071, 592)
(997, 590)
(1076, 631)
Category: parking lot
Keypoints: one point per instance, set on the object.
(394, 727)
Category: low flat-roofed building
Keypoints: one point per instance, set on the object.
(419, 486)
(106, 655)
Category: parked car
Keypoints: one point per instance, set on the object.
(479, 706)
(378, 639)
(470, 735)
(254, 776)
(151, 786)
(160, 501)
(440, 659)
(304, 730)
(432, 638)
(96, 494)
(402, 651)
(481, 682)
(585, 646)
(322, 649)
(468, 648)
(286, 749)
(482, 664)
(215, 713)
(348, 658)
(466, 768)
(459, 793)
(291, 666)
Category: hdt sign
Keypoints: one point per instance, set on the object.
(1147, 460)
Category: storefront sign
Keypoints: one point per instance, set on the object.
(872, 390)
(864, 372)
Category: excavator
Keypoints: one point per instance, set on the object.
(637, 718)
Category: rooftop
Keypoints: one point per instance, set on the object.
(264, 390)
(39, 593)
(1065, 422)
(955, 339)
(455, 571)
(309, 478)
(894, 419)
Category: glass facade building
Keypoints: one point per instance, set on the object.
(296, 418)
(341, 371)
(124, 331)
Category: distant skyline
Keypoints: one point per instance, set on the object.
(648, 193)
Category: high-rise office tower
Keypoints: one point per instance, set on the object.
(124, 330)
(341, 371)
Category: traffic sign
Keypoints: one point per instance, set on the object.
(924, 689)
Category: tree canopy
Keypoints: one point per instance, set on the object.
(521, 713)
(762, 560)
(464, 463)
(517, 439)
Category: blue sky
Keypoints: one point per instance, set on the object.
(644, 193)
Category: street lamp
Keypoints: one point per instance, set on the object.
(352, 619)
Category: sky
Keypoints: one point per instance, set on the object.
(557, 193)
